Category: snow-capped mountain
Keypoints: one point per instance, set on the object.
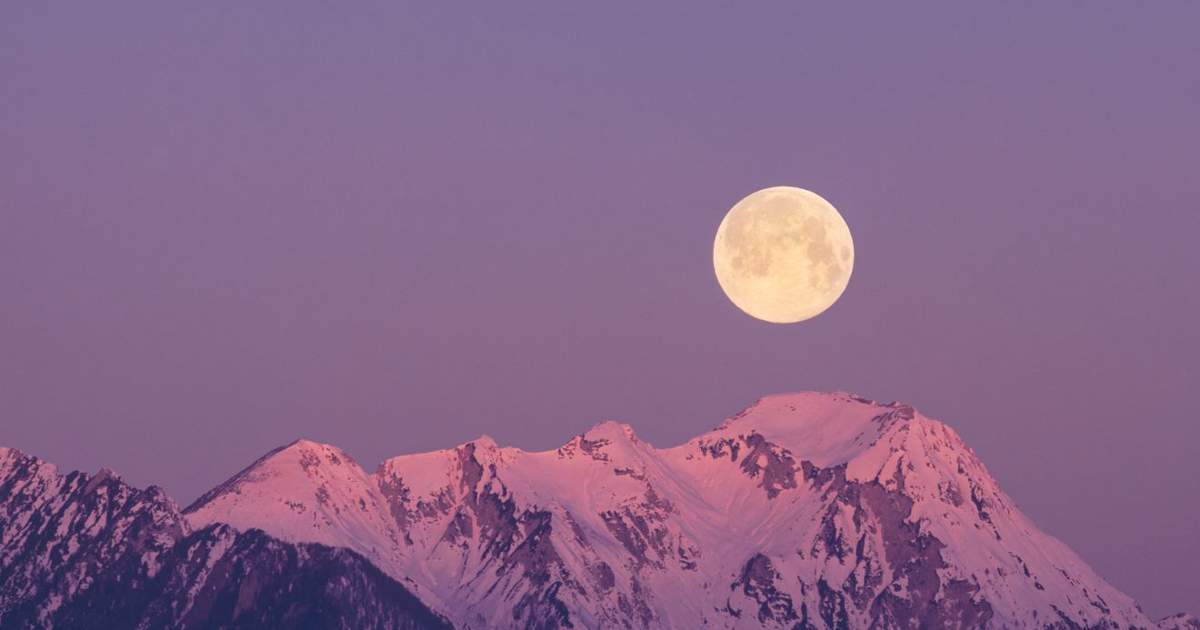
(803, 511)
(90, 551)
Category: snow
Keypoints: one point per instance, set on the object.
(308, 492)
(825, 429)
(697, 505)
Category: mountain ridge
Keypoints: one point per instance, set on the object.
(631, 526)
(809, 510)
(91, 551)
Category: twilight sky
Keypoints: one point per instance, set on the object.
(399, 226)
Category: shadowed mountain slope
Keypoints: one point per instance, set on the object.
(80, 551)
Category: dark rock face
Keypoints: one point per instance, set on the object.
(769, 463)
(218, 577)
(895, 582)
(758, 582)
(56, 531)
(894, 579)
(833, 607)
(516, 545)
(80, 551)
(913, 556)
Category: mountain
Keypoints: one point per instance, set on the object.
(90, 551)
(804, 511)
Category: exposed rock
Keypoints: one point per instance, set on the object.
(92, 552)
(804, 511)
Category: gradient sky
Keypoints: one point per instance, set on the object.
(399, 226)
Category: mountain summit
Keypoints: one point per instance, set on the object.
(807, 510)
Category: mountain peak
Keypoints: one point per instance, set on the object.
(605, 441)
(611, 430)
(307, 445)
(299, 463)
(303, 443)
(307, 492)
(483, 442)
(793, 494)
(824, 428)
(805, 403)
(104, 474)
(92, 551)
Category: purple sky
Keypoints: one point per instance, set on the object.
(394, 229)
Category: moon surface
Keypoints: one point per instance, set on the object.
(783, 254)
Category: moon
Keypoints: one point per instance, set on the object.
(783, 254)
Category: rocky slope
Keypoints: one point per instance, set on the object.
(90, 551)
(804, 511)
(1181, 621)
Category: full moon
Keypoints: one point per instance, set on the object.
(783, 254)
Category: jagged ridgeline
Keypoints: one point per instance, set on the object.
(80, 551)
(803, 511)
